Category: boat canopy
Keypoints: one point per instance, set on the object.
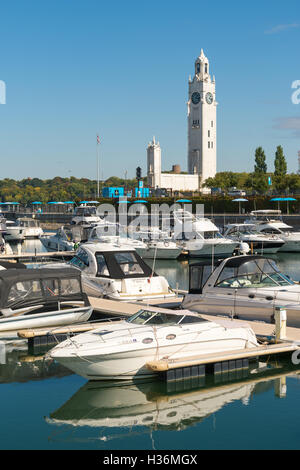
(21, 288)
(122, 265)
(238, 272)
(251, 271)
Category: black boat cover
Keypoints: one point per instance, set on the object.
(20, 288)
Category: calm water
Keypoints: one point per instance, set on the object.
(45, 406)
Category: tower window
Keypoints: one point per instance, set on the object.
(212, 123)
(208, 133)
(212, 145)
(198, 67)
(209, 145)
(205, 68)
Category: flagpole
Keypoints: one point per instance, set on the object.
(98, 186)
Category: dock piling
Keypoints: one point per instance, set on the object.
(280, 323)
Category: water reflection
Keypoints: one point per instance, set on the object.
(16, 365)
(118, 409)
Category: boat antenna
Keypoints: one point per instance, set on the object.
(212, 256)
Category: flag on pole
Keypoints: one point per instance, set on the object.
(98, 140)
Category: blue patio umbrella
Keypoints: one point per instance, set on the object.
(240, 200)
(69, 202)
(287, 199)
(36, 202)
(142, 202)
(89, 202)
(183, 200)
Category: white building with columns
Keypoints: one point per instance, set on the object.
(202, 136)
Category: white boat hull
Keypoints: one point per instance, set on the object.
(245, 308)
(140, 290)
(45, 319)
(221, 250)
(159, 253)
(52, 244)
(292, 246)
(128, 364)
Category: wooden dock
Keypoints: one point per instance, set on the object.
(125, 309)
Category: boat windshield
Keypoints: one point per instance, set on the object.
(243, 230)
(85, 211)
(143, 317)
(211, 234)
(255, 273)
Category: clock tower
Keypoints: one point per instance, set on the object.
(202, 122)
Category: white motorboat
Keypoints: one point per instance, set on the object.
(200, 237)
(247, 287)
(159, 244)
(122, 350)
(114, 233)
(61, 240)
(258, 242)
(33, 298)
(270, 222)
(85, 215)
(23, 228)
(118, 272)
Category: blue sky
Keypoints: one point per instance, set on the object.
(74, 68)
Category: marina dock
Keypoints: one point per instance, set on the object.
(172, 369)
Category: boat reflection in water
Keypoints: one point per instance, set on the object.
(17, 365)
(116, 410)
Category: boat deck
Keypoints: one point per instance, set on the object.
(30, 257)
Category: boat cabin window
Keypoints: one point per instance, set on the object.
(51, 287)
(81, 259)
(70, 286)
(128, 263)
(102, 269)
(24, 290)
(252, 274)
(271, 230)
(212, 234)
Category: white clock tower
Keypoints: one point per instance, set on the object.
(202, 122)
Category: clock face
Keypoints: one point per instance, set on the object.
(196, 97)
(209, 98)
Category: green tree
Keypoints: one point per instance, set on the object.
(280, 162)
(260, 161)
(280, 179)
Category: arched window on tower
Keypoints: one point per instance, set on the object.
(206, 68)
(198, 67)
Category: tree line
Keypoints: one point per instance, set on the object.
(260, 180)
(74, 189)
